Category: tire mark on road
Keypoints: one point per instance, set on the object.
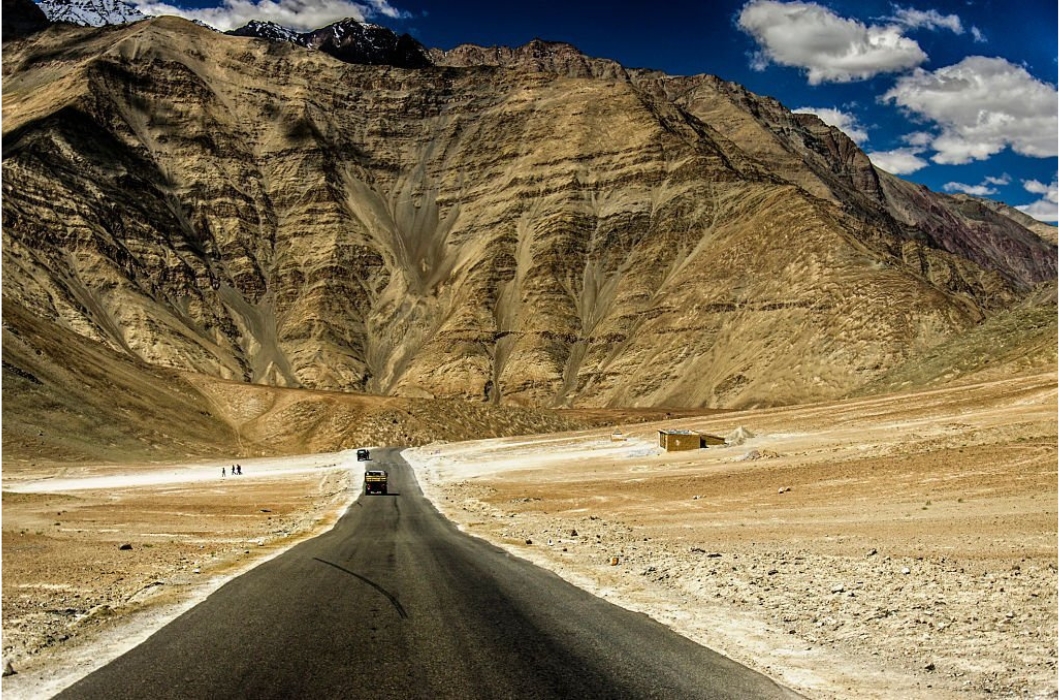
(393, 601)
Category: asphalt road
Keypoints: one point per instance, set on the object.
(395, 602)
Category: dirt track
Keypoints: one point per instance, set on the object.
(893, 547)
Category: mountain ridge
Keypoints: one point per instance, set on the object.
(534, 234)
(347, 40)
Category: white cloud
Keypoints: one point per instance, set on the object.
(900, 161)
(301, 15)
(976, 190)
(1036, 187)
(981, 106)
(1041, 210)
(384, 8)
(988, 186)
(1045, 209)
(829, 47)
(930, 19)
(844, 121)
(919, 139)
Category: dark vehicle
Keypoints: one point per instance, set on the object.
(362, 455)
(375, 482)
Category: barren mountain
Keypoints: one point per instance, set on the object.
(522, 227)
(973, 204)
(69, 400)
(219, 246)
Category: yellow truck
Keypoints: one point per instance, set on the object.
(375, 482)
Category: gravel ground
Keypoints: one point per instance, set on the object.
(900, 547)
(875, 549)
(96, 560)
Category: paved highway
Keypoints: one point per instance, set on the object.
(395, 602)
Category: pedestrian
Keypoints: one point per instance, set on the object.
(222, 472)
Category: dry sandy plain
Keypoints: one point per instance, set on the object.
(890, 547)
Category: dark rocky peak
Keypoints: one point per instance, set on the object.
(349, 41)
(22, 18)
(370, 44)
(270, 31)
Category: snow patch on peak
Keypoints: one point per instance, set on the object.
(91, 13)
(347, 40)
(271, 31)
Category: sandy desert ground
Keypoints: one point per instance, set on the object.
(889, 547)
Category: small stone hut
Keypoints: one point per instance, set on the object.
(678, 439)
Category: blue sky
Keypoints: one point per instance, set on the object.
(959, 95)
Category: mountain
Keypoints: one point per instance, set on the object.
(69, 399)
(349, 41)
(514, 227)
(538, 55)
(91, 13)
(972, 205)
(271, 31)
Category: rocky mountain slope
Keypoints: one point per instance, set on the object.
(971, 204)
(526, 227)
(70, 400)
